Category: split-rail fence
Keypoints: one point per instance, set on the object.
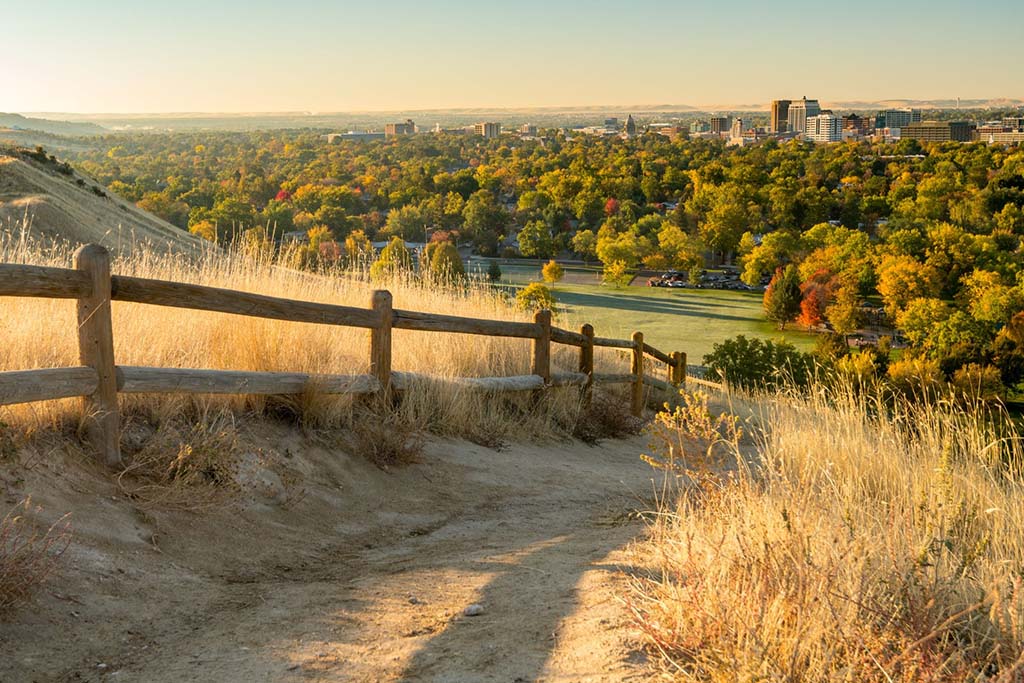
(98, 380)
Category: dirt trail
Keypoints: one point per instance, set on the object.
(363, 579)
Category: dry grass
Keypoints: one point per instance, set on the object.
(27, 555)
(40, 333)
(848, 542)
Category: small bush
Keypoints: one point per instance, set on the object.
(28, 557)
(607, 417)
(387, 438)
(494, 271)
(759, 364)
(534, 297)
(183, 465)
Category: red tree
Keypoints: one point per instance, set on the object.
(611, 207)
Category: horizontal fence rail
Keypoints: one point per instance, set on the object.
(98, 379)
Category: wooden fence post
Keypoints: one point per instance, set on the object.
(637, 402)
(96, 350)
(679, 371)
(587, 362)
(380, 340)
(542, 346)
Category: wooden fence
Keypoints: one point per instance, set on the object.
(98, 379)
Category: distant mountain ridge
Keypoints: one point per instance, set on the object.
(18, 121)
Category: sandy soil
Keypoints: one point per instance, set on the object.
(346, 574)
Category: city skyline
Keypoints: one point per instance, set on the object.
(312, 55)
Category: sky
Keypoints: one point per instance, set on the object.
(330, 56)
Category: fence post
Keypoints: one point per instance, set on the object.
(677, 375)
(637, 402)
(542, 346)
(96, 350)
(587, 362)
(380, 340)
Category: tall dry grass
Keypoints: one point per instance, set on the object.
(850, 541)
(40, 333)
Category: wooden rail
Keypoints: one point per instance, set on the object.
(98, 379)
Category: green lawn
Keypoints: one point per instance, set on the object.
(688, 320)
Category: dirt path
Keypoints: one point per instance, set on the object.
(365, 579)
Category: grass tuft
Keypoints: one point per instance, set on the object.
(28, 556)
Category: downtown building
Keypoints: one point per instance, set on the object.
(823, 128)
(779, 121)
(394, 129)
(897, 118)
(799, 112)
(721, 124)
(487, 129)
(938, 131)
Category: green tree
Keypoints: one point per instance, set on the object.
(394, 258)
(535, 240)
(584, 243)
(782, 297)
(844, 313)
(494, 271)
(446, 263)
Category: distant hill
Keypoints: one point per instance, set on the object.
(62, 204)
(19, 122)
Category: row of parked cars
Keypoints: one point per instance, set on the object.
(720, 279)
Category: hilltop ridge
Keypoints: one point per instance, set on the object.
(62, 204)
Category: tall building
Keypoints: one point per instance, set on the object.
(824, 128)
(528, 129)
(700, 126)
(737, 128)
(799, 112)
(721, 124)
(897, 118)
(938, 131)
(779, 122)
(393, 129)
(487, 129)
(858, 124)
(630, 126)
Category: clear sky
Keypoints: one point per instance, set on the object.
(322, 55)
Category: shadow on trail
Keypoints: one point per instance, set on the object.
(524, 604)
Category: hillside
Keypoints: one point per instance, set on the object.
(62, 204)
(17, 121)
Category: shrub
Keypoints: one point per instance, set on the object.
(395, 257)
(387, 439)
(976, 382)
(607, 417)
(758, 363)
(918, 377)
(28, 557)
(445, 263)
(534, 297)
(494, 272)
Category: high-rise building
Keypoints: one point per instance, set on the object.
(737, 128)
(799, 112)
(779, 122)
(721, 124)
(630, 126)
(487, 129)
(825, 127)
(938, 131)
(858, 124)
(897, 118)
(528, 129)
(700, 126)
(393, 129)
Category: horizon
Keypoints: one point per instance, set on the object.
(316, 56)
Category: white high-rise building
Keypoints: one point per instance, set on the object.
(799, 112)
(824, 128)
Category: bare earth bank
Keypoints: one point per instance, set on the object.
(348, 574)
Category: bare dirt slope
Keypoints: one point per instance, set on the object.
(76, 209)
(331, 570)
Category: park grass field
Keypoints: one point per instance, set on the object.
(687, 320)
